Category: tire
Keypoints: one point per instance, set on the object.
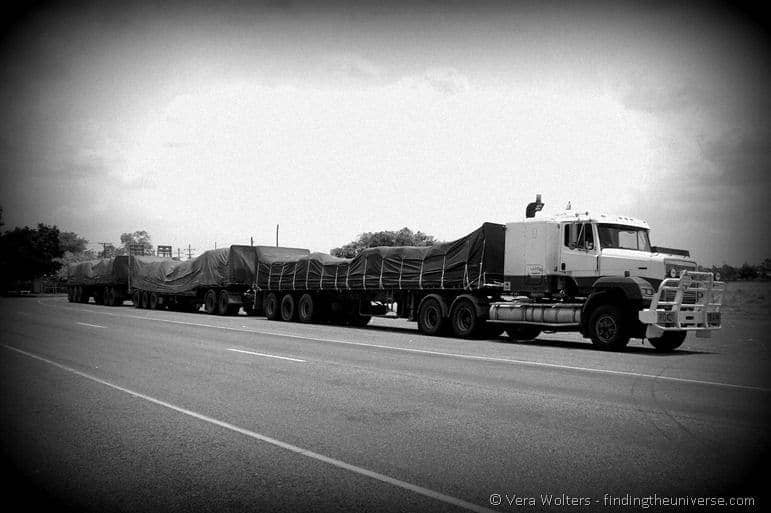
(109, 296)
(607, 328)
(430, 318)
(145, 300)
(223, 304)
(464, 320)
(210, 302)
(152, 301)
(288, 310)
(523, 332)
(668, 341)
(306, 309)
(271, 307)
(99, 296)
(136, 298)
(69, 294)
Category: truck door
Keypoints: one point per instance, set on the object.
(579, 254)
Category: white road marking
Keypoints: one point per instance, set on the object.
(267, 355)
(90, 325)
(263, 438)
(439, 353)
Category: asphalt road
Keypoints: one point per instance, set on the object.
(117, 409)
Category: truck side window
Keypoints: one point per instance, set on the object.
(579, 236)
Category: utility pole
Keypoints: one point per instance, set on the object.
(105, 245)
(251, 241)
(276, 235)
(190, 252)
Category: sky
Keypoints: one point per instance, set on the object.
(209, 123)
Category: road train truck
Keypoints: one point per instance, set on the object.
(596, 274)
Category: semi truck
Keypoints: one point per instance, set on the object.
(595, 274)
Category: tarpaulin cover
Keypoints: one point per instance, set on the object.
(222, 267)
(106, 271)
(273, 261)
(470, 262)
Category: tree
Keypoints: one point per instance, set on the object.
(72, 242)
(138, 237)
(747, 272)
(28, 253)
(403, 237)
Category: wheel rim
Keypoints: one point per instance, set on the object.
(464, 319)
(606, 328)
(431, 317)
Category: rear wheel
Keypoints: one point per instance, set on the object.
(606, 328)
(152, 301)
(464, 320)
(136, 298)
(288, 310)
(145, 301)
(523, 332)
(306, 308)
(430, 318)
(223, 302)
(668, 341)
(210, 302)
(271, 307)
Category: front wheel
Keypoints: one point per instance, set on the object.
(668, 341)
(606, 328)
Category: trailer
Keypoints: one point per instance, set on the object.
(105, 280)
(217, 279)
(595, 274)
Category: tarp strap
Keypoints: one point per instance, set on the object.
(347, 274)
(420, 279)
(257, 279)
(444, 260)
(307, 271)
(364, 278)
(294, 276)
(336, 268)
(401, 267)
(270, 272)
(321, 280)
(481, 263)
(281, 276)
(382, 261)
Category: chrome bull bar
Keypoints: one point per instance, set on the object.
(690, 302)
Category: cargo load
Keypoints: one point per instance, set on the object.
(222, 267)
(105, 271)
(471, 262)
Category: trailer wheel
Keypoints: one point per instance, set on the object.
(136, 297)
(288, 310)
(152, 301)
(144, 300)
(464, 320)
(222, 303)
(271, 307)
(523, 332)
(606, 328)
(668, 341)
(210, 302)
(306, 308)
(109, 296)
(430, 318)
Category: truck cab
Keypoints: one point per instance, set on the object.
(599, 274)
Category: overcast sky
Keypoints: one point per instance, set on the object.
(208, 123)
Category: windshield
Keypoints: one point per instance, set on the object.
(623, 237)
